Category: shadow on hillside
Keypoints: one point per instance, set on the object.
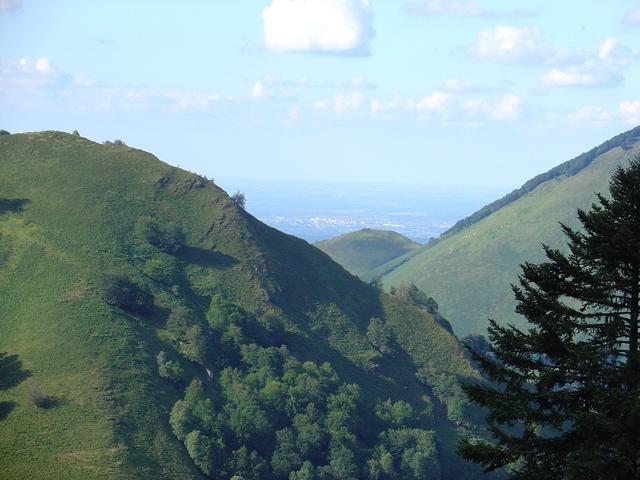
(206, 258)
(11, 371)
(6, 408)
(12, 205)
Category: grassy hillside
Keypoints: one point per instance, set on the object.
(469, 272)
(109, 256)
(366, 249)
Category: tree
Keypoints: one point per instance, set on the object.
(565, 397)
(199, 449)
(169, 369)
(239, 199)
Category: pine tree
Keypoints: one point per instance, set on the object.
(564, 397)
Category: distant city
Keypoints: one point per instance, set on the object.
(318, 211)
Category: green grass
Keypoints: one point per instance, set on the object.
(469, 273)
(366, 249)
(68, 210)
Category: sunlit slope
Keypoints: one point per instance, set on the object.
(366, 249)
(469, 272)
(68, 213)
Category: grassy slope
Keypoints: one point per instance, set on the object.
(74, 204)
(469, 273)
(366, 249)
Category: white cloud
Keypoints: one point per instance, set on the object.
(611, 50)
(581, 76)
(294, 113)
(397, 102)
(504, 109)
(632, 18)
(8, 5)
(627, 111)
(601, 69)
(29, 74)
(184, 101)
(512, 45)
(257, 91)
(43, 65)
(465, 8)
(341, 103)
(630, 111)
(354, 83)
(436, 101)
(261, 91)
(590, 115)
(460, 86)
(319, 26)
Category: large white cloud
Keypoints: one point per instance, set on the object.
(319, 26)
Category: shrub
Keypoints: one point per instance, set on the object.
(239, 199)
(169, 369)
(199, 449)
(168, 238)
(119, 291)
(4, 132)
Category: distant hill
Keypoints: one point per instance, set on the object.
(151, 328)
(366, 249)
(469, 270)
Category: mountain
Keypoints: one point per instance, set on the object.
(469, 270)
(366, 249)
(152, 328)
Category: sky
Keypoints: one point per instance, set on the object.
(420, 92)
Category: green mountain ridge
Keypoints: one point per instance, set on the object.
(109, 257)
(469, 271)
(366, 249)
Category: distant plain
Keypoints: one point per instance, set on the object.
(319, 211)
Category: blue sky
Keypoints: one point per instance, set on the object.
(466, 92)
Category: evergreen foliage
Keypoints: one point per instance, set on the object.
(239, 199)
(565, 402)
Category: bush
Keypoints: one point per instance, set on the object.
(169, 369)
(119, 291)
(76, 133)
(4, 132)
(168, 238)
(199, 449)
(239, 199)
